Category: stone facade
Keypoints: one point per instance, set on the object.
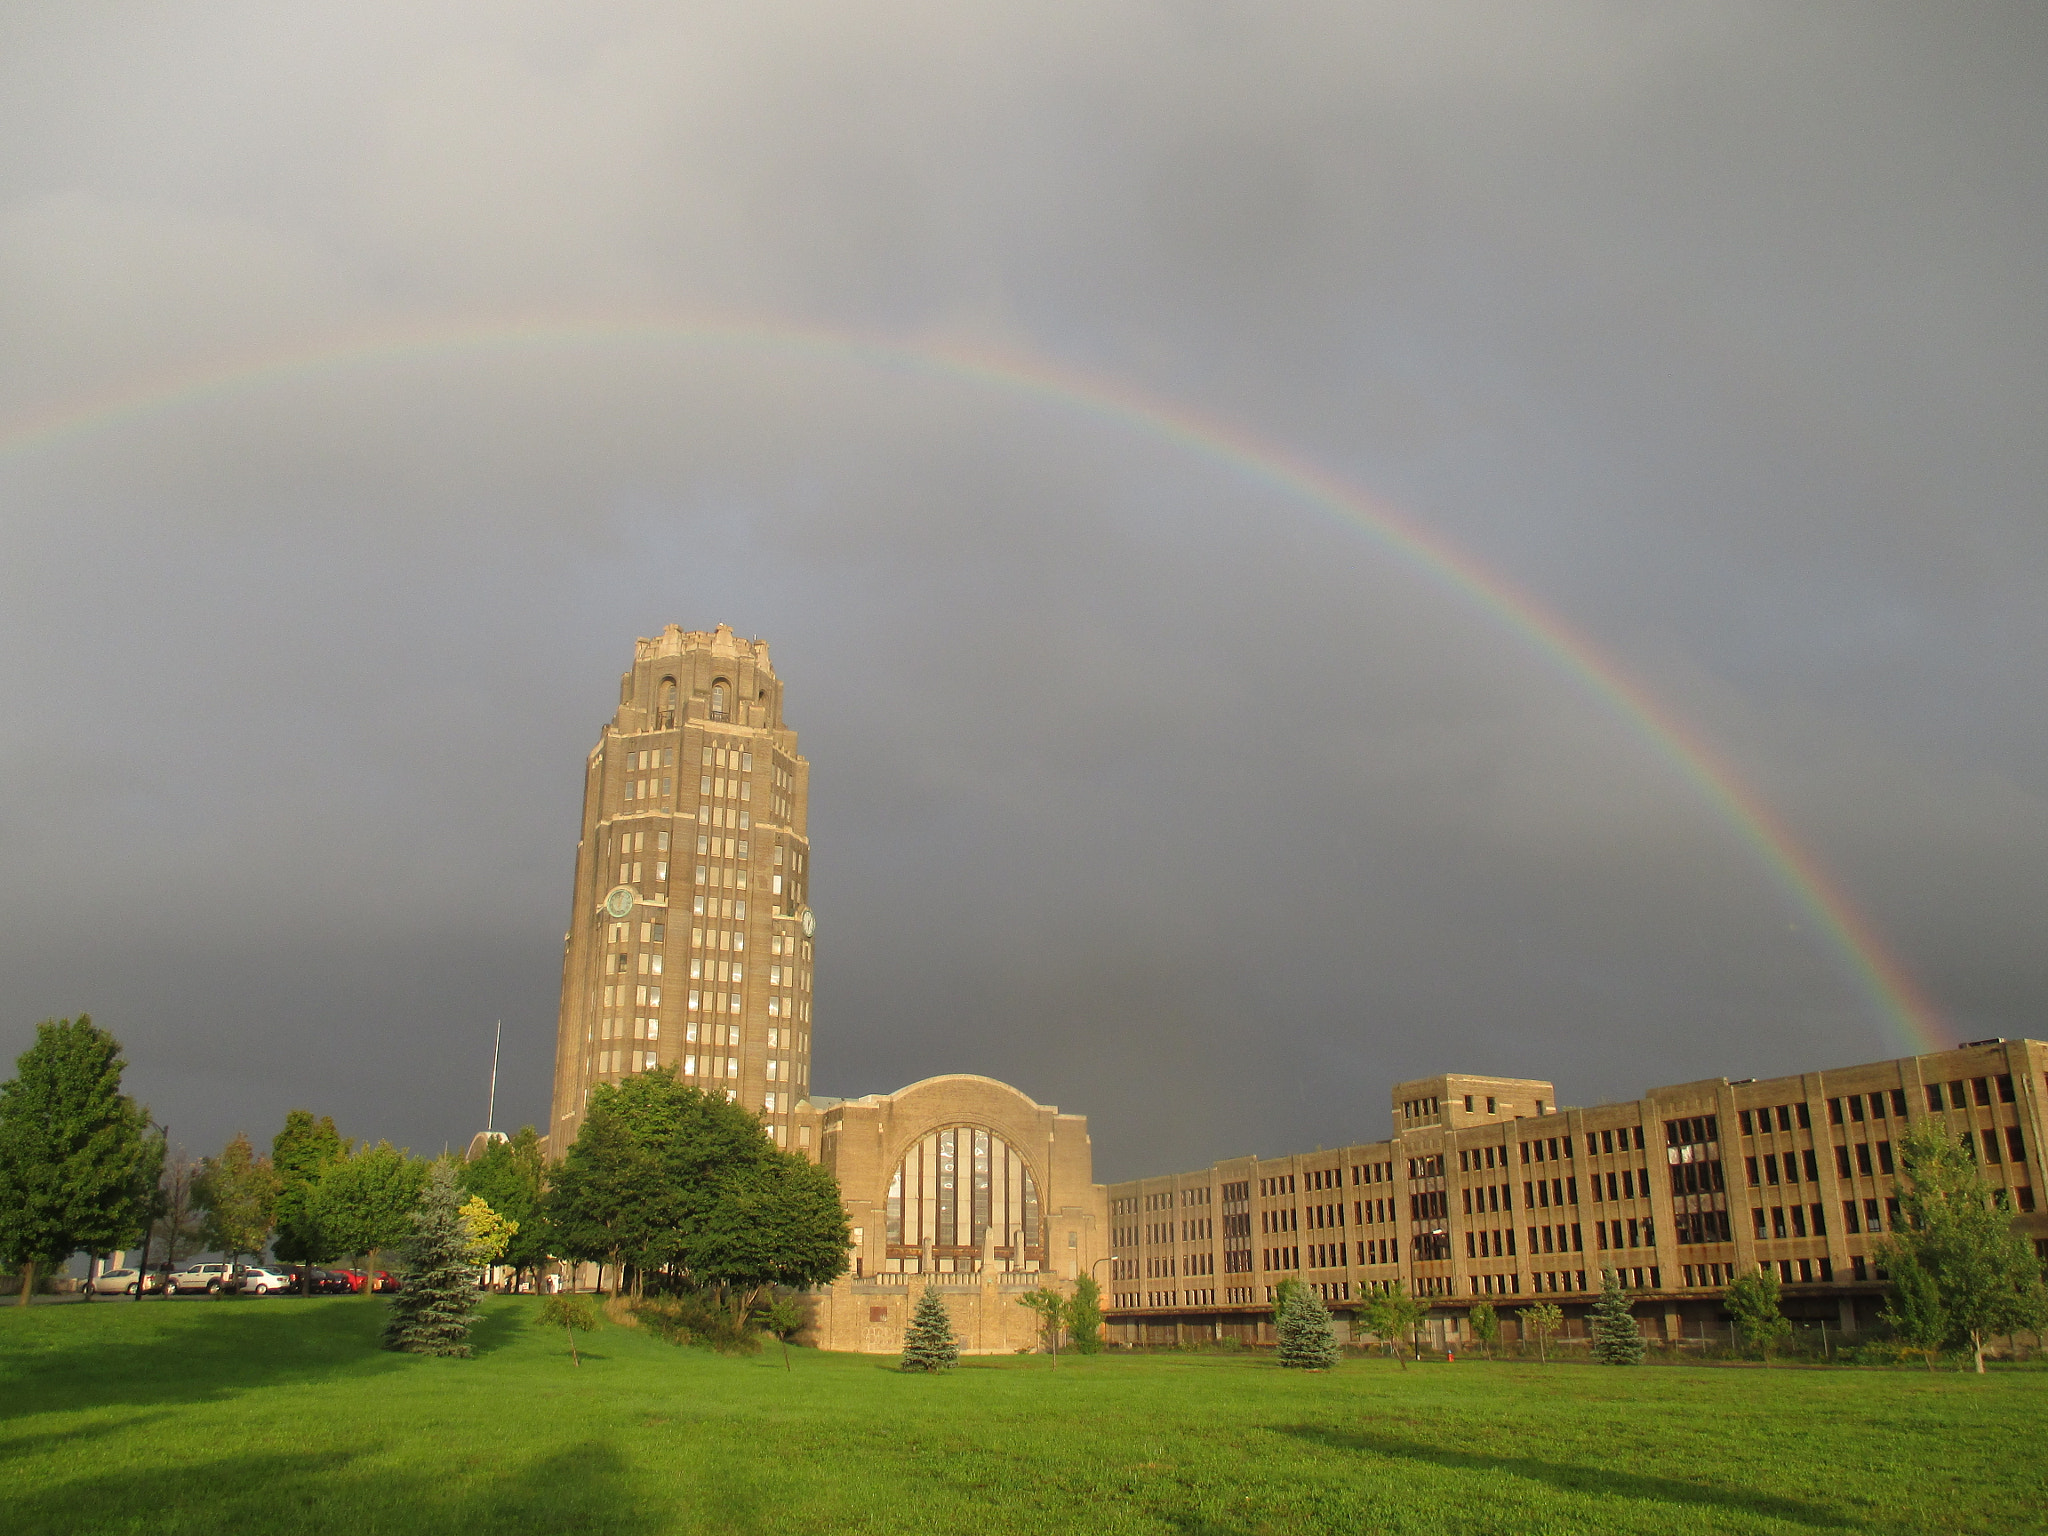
(1488, 1190)
(961, 1183)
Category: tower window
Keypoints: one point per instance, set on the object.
(665, 712)
(720, 694)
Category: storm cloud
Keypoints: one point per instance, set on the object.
(1138, 780)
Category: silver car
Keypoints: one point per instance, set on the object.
(121, 1282)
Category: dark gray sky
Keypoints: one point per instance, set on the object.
(1716, 328)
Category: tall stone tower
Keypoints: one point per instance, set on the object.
(689, 942)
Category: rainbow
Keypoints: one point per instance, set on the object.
(1898, 1002)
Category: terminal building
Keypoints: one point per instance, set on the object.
(691, 948)
(1489, 1190)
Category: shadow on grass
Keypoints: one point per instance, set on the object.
(584, 1489)
(169, 1353)
(1568, 1477)
(496, 1327)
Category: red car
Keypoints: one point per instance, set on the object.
(386, 1281)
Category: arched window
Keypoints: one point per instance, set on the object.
(720, 692)
(959, 1192)
(665, 712)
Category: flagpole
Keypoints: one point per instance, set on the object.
(491, 1113)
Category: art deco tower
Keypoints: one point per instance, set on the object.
(689, 943)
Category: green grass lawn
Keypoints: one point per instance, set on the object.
(282, 1416)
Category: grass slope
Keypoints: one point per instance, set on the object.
(284, 1416)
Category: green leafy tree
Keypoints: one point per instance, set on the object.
(302, 1153)
(1084, 1316)
(430, 1314)
(645, 1180)
(779, 1221)
(1485, 1325)
(1394, 1315)
(364, 1203)
(928, 1343)
(1965, 1241)
(1753, 1306)
(1308, 1341)
(1616, 1338)
(572, 1314)
(489, 1233)
(237, 1195)
(78, 1167)
(1542, 1323)
(1916, 1313)
(1051, 1308)
(784, 1316)
(510, 1176)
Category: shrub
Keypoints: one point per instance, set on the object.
(689, 1318)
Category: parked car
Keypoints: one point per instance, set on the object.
(258, 1280)
(386, 1281)
(210, 1278)
(122, 1282)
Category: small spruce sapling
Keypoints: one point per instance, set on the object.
(571, 1313)
(1616, 1339)
(928, 1343)
(430, 1314)
(1308, 1341)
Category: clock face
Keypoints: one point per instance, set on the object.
(620, 901)
(810, 923)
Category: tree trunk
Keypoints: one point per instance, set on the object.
(1977, 1349)
(28, 1280)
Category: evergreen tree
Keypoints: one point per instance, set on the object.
(1616, 1339)
(1752, 1303)
(430, 1315)
(237, 1191)
(1084, 1316)
(1485, 1325)
(928, 1343)
(1308, 1342)
(1963, 1239)
(301, 1154)
(78, 1168)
